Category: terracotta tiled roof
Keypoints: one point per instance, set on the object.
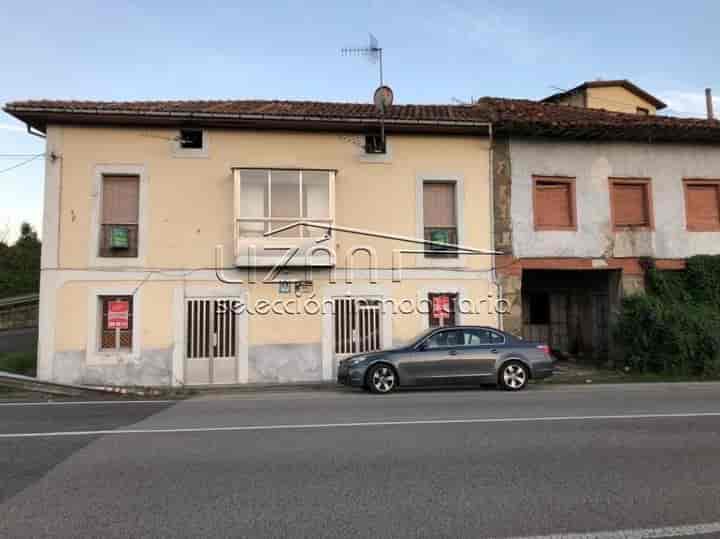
(317, 109)
(518, 117)
(509, 117)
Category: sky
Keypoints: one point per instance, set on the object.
(434, 52)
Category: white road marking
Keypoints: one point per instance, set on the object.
(67, 403)
(387, 423)
(670, 531)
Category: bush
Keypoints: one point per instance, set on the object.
(19, 362)
(674, 328)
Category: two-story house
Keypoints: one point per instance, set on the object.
(162, 219)
(591, 188)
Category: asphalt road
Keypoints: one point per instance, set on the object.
(625, 460)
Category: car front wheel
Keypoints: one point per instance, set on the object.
(514, 376)
(382, 379)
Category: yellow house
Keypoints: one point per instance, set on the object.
(612, 95)
(163, 222)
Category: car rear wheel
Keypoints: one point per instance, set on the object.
(514, 376)
(382, 379)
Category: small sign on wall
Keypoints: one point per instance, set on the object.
(441, 307)
(119, 314)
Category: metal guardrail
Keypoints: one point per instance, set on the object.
(19, 300)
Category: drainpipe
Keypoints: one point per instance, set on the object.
(491, 183)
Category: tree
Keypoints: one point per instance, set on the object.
(20, 264)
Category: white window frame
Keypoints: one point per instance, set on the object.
(93, 353)
(178, 151)
(268, 242)
(96, 219)
(457, 180)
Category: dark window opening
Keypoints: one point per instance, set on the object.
(539, 308)
(191, 139)
(643, 111)
(374, 144)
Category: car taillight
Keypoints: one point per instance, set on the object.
(545, 348)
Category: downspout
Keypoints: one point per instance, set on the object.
(491, 184)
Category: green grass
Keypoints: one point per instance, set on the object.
(19, 362)
(616, 376)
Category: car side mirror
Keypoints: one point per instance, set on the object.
(422, 347)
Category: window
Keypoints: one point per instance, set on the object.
(439, 216)
(631, 203)
(464, 337)
(119, 224)
(453, 337)
(442, 309)
(272, 199)
(479, 337)
(116, 313)
(374, 144)
(191, 139)
(554, 203)
(702, 205)
(643, 111)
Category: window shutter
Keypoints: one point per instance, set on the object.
(631, 204)
(553, 205)
(120, 200)
(703, 206)
(439, 204)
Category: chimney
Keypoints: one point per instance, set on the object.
(709, 103)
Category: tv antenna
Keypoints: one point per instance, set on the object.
(383, 96)
(373, 52)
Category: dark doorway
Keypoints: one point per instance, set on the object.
(570, 310)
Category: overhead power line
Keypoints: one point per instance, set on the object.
(18, 165)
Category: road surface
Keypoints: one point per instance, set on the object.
(571, 462)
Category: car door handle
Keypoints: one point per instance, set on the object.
(493, 351)
(453, 352)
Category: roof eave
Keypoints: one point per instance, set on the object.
(39, 118)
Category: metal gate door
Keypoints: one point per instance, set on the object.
(211, 341)
(357, 326)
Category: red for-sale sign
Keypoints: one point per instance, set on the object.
(118, 314)
(441, 307)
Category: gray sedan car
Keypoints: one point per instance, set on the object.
(450, 355)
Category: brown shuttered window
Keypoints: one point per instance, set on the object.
(120, 209)
(702, 204)
(440, 216)
(554, 203)
(631, 203)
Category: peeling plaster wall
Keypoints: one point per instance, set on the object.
(152, 368)
(591, 164)
(285, 363)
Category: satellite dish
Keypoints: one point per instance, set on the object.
(383, 98)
